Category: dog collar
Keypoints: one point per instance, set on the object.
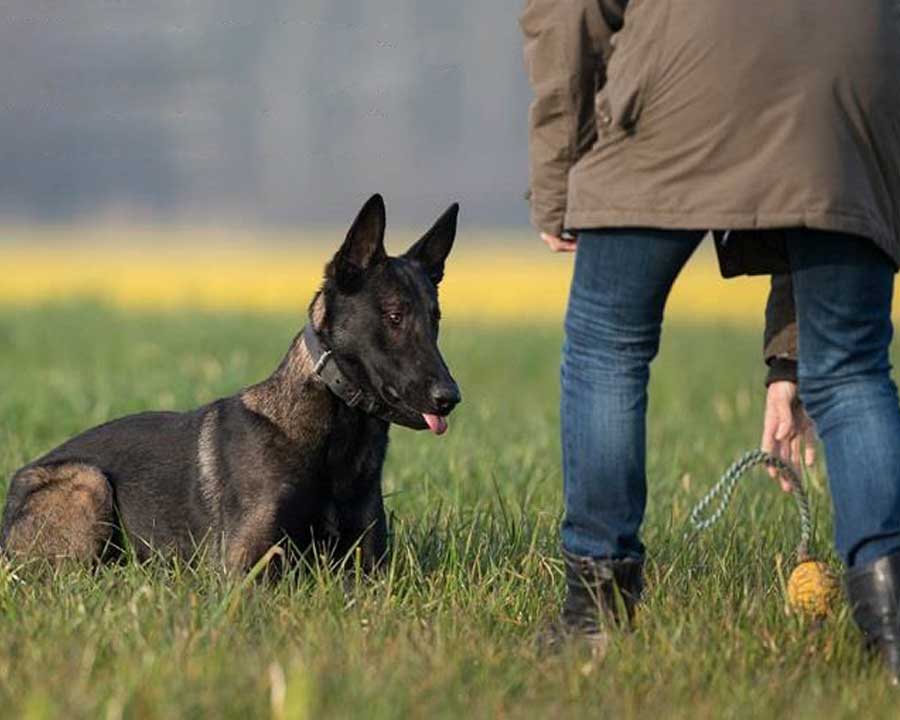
(326, 369)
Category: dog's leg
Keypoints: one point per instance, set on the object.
(251, 538)
(362, 524)
(58, 512)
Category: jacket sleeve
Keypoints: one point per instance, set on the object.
(780, 343)
(566, 43)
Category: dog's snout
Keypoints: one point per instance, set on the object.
(445, 397)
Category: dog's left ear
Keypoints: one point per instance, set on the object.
(432, 249)
(363, 247)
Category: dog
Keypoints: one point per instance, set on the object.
(297, 456)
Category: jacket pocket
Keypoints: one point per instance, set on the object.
(616, 116)
(629, 70)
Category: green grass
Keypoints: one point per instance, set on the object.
(449, 628)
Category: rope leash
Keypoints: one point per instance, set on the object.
(724, 489)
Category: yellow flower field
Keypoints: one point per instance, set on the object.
(493, 276)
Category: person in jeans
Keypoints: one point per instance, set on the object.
(777, 127)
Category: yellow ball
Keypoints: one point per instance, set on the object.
(812, 589)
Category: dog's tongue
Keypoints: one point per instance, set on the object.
(436, 423)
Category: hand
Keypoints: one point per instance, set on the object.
(559, 244)
(788, 433)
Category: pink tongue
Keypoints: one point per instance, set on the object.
(436, 423)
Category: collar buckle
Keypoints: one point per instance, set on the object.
(355, 398)
(322, 362)
(352, 395)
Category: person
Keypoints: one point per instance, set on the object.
(775, 126)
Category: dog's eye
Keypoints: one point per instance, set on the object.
(395, 318)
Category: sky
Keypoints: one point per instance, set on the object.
(271, 113)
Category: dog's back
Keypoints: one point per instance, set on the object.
(180, 482)
(141, 460)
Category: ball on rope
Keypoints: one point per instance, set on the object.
(812, 589)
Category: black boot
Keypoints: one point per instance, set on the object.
(874, 594)
(600, 594)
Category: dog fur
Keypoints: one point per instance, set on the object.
(282, 459)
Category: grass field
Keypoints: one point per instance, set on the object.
(474, 573)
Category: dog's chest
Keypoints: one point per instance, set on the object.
(355, 454)
(316, 484)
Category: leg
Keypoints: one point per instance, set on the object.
(59, 512)
(251, 537)
(363, 524)
(621, 282)
(843, 286)
(619, 290)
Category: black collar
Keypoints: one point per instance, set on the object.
(326, 369)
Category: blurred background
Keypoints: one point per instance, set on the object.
(212, 153)
(261, 113)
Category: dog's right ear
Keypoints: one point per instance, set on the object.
(432, 249)
(363, 247)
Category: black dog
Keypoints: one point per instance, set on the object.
(297, 456)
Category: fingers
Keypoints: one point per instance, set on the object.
(793, 453)
(767, 443)
(781, 450)
(788, 433)
(784, 430)
(780, 429)
(788, 446)
(768, 434)
(774, 420)
(784, 483)
(809, 446)
(808, 433)
(559, 244)
(794, 458)
(787, 449)
(776, 429)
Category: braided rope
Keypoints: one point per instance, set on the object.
(724, 489)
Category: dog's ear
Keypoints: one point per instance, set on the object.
(434, 246)
(363, 247)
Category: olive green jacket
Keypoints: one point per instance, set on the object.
(726, 115)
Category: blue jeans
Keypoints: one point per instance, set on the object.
(843, 286)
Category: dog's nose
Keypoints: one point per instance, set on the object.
(445, 397)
